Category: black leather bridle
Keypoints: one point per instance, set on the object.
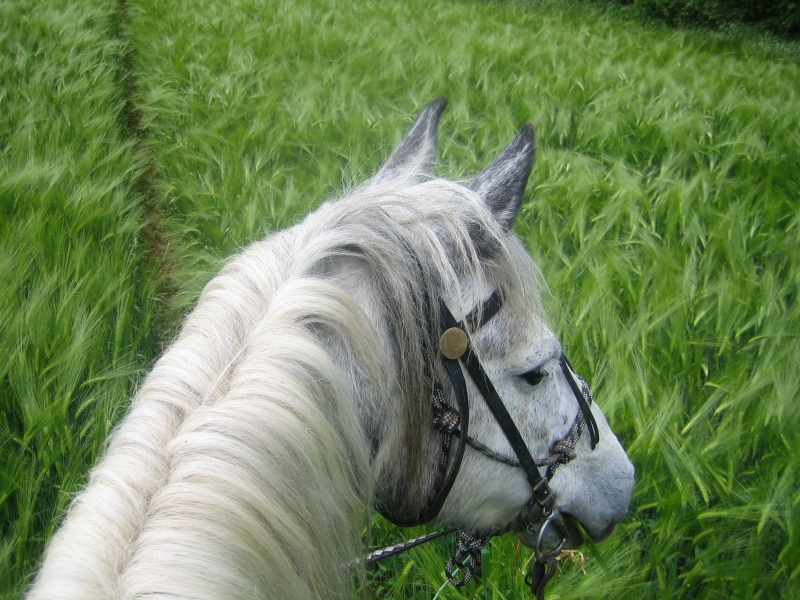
(455, 349)
(456, 354)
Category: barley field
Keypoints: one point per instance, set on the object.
(142, 142)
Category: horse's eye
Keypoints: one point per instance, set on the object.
(533, 377)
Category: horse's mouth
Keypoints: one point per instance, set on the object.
(562, 531)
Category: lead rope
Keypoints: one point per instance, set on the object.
(467, 559)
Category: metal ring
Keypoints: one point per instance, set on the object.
(540, 555)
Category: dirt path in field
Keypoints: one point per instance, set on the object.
(159, 249)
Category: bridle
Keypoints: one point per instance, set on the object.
(538, 513)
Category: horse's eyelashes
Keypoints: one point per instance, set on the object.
(533, 377)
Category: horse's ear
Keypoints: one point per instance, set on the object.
(415, 158)
(502, 183)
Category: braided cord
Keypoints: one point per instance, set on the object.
(467, 558)
(402, 547)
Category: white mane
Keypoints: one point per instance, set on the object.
(251, 449)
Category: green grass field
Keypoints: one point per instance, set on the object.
(143, 142)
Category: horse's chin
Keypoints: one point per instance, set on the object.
(562, 527)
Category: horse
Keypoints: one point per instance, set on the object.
(313, 382)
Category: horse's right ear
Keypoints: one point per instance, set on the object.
(414, 159)
(502, 184)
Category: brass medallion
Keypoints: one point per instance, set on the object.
(453, 343)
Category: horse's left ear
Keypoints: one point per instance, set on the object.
(502, 183)
(414, 159)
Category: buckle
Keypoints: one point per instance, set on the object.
(543, 494)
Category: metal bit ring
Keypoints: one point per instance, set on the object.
(537, 550)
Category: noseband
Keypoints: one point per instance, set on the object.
(537, 514)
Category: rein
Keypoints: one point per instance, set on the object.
(456, 351)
